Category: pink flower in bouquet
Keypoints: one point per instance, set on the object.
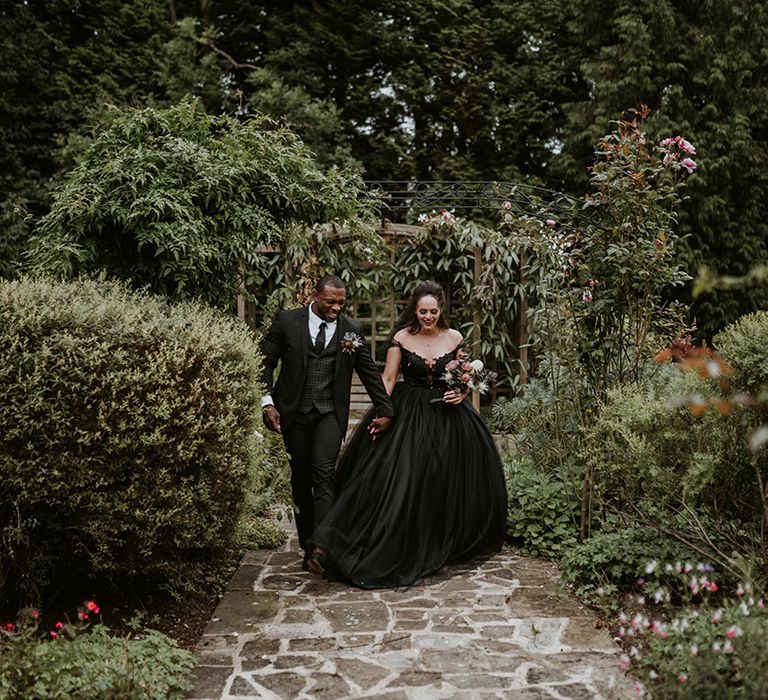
(465, 374)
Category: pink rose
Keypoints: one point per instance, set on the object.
(668, 141)
(668, 158)
(465, 377)
(506, 205)
(686, 146)
(688, 164)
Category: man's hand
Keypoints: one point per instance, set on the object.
(378, 426)
(271, 418)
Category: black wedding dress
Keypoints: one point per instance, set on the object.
(427, 492)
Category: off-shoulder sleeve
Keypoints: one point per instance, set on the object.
(395, 344)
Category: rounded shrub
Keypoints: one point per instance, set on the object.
(742, 344)
(127, 433)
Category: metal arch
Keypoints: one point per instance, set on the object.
(426, 195)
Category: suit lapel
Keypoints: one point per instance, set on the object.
(340, 331)
(304, 335)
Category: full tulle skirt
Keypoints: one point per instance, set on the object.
(428, 492)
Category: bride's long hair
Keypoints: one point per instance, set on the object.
(408, 319)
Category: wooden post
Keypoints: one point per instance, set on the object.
(478, 269)
(521, 323)
(241, 296)
(373, 328)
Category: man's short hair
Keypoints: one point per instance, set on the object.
(333, 281)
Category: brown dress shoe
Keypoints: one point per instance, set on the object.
(317, 562)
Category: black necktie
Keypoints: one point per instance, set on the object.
(320, 340)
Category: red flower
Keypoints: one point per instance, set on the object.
(82, 615)
(9, 627)
(59, 625)
(54, 634)
(92, 606)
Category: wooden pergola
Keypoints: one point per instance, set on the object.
(399, 200)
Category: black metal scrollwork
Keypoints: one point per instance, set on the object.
(416, 196)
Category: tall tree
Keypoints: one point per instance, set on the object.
(438, 89)
(59, 64)
(701, 67)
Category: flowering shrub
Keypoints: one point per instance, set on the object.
(714, 647)
(74, 660)
(443, 218)
(613, 561)
(602, 306)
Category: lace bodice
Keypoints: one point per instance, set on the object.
(418, 370)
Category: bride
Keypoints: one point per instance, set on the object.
(428, 492)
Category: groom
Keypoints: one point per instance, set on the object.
(318, 347)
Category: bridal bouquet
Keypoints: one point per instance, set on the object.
(463, 374)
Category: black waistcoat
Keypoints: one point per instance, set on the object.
(318, 383)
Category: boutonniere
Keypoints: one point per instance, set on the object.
(351, 342)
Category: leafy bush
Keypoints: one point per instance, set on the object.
(128, 441)
(543, 421)
(647, 448)
(258, 533)
(177, 201)
(743, 345)
(615, 560)
(79, 665)
(540, 512)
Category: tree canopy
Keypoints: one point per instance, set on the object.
(441, 89)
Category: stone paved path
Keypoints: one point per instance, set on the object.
(504, 628)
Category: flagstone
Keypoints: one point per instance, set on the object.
(505, 628)
(284, 685)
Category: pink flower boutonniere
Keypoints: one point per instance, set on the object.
(351, 342)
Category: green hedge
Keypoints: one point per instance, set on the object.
(127, 433)
(743, 345)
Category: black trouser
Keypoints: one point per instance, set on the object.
(313, 441)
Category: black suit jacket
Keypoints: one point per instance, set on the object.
(288, 342)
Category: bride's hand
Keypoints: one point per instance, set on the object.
(453, 397)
